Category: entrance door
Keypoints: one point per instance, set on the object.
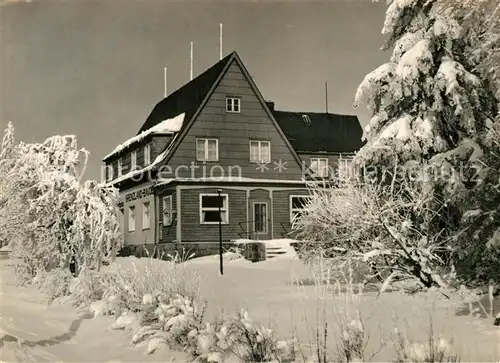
(260, 218)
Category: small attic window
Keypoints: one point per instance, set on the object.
(233, 104)
(306, 119)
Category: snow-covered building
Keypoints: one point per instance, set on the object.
(217, 134)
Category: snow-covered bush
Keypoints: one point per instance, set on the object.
(248, 340)
(130, 282)
(159, 301)
(85, 288)
(55, 283)
(50, 216)
(360, 223)
(435, 349)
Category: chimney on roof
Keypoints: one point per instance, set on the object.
(270, 104)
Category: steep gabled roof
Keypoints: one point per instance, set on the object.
(186, 99)
(232, 57)
(321, 132)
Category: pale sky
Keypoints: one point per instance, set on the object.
(94, 68)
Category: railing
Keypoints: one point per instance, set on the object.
(284, 231)
(167, 229)
(251, 233)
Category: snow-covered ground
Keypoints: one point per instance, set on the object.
(266, 289)
(58, 333)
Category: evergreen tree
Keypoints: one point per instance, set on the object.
(432, 111)
(428, 99)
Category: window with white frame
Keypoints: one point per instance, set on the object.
(233, 104)
(120, 167)
(146, 215)
(147, 155)
(260, 152)
(319, 167)
(345, 167)
(207, 149)
(167, 210)
(133, 161)
(209, 208)
(131, 218)
(297, 205)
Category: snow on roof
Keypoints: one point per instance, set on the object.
(133, 173)
(164, 181)
(168, 126)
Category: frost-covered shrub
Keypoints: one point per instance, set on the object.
(168, 320)
(435, 349)
(352, 346)
(178, 322)
(374, 229)
(132, 279)
(55, 283)
(180, 317)
(85, 288)
(248, 340)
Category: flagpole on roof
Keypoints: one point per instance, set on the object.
(220, 41)
(165, 81)
(191, 70)
(326, 96)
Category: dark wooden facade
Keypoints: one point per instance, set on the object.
(258, 199)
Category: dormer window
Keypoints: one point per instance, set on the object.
(319, 167)
(147, 155)
(133, 161)
(345, 167)
(233, 105)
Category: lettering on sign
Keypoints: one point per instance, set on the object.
(139, 194)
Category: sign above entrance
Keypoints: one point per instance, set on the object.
(139, 194)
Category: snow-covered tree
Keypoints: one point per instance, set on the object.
(51, 216)
(480, 247)
(428, 98)
(7, 151)
(433, 107)
(481, 19)
(8, 143)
